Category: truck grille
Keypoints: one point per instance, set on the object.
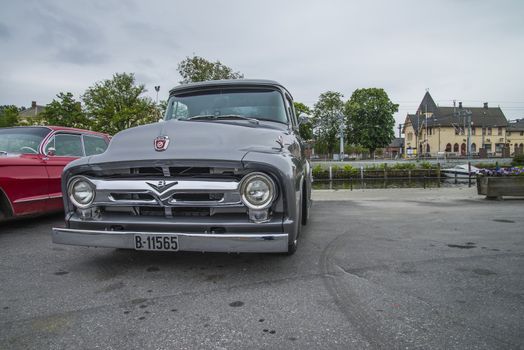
(169, 196)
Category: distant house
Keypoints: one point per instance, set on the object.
(434, 129)
(395, 149)
(515, 136)
(26, 115)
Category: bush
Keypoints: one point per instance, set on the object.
(426, 165)
(404, 166)
(518, 160)
(351, 171)
(319, 172)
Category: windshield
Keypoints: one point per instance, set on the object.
(22, 140)
(260, 104)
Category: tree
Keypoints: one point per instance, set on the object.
(305, 129)
(8, 116)
(196, 68)
(65, 111)
(116, 104)
(327, 115)
(370, 115)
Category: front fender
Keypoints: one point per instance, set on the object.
(290, 173)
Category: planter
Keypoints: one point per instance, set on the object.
(494, 187)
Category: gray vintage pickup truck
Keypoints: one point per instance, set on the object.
(224, 171)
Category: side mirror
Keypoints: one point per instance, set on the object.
(303, 118)
(51, 151)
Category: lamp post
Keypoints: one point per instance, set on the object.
(341, 119)
(157, 89)
(417, 136)
(435, 123)
(468, 115)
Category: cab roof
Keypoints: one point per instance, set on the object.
(227, 83)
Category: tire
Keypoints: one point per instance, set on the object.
(292, 248)
(5, 209)
(305, 206)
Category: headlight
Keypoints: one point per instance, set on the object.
(81, 192)
(258, 191)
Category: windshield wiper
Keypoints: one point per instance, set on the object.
(224, 116)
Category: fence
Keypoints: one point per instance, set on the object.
(385, 176)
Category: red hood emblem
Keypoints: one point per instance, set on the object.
(161, 143)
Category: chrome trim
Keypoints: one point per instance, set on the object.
(224, 243)
(164, 198)
(31, 199)
(71, 197)
(272, 187)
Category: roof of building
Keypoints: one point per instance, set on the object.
(31, 112)
(516, 125)
(455, 116)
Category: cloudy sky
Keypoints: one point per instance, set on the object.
(464, 50)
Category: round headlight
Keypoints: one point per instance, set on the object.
(257, 191)
(81, 192)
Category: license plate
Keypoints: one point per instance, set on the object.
(165, 242)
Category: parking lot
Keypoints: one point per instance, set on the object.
(378, 269)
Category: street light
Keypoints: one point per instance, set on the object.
(157, 89)
(435, 123)
(341, 119)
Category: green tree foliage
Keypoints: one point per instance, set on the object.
(326, 119)
(370, 115)
(305, 129)
(8, 116)
(196, 68)
(117, 104)
(162, 106)
(65, 111)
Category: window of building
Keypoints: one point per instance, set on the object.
(499, 131)
(509, 133)
(489, 131)
(473, 147)
(456, 147)
(483, 131)
(410, 136)
(522, 133)
(473, 131)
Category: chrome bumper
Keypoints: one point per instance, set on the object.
(226, 243)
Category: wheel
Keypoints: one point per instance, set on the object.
(305, 206)
(292, 248)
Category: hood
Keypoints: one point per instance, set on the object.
(193, 140)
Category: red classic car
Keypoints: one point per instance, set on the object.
(31, 164)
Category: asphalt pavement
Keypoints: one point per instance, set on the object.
(375, 269)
